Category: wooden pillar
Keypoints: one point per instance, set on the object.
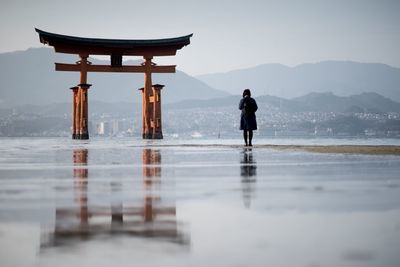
(143, 111)
(74, 101)
(81, 106)
(151, 110)
(78, 114)
(80, 118)
(157, 126)
(147, 107)
(84, 111)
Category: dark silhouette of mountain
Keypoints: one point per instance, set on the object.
(323, 102)
(28, 77)
(365, 102)
(340, 77)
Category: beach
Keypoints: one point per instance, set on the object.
(199, 203)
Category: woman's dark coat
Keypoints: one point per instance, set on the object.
(248, 106)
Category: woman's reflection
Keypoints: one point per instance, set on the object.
(248, 172)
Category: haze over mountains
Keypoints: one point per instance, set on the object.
(343, 78)
(28, 77)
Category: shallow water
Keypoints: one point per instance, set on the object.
(126, 202)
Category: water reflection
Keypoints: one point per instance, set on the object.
(153, 210)
(81, 173)
(149, 218)
(248, 173)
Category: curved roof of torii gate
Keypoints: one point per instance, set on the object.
(99, 46)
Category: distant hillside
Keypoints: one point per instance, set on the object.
(28, 77)
(334, 115)
(122, 109)
(343, 78)
(365, 102)
(315, 102)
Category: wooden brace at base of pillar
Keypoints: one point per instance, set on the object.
(156, 121)
(153, 111)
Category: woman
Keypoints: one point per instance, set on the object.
(248, 122)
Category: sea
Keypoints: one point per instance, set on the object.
(196, 202)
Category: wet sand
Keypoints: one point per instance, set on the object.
(341, 149)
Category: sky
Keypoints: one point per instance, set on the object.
(227, 35)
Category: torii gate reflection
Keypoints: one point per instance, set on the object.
(151, 219)
(116, 49)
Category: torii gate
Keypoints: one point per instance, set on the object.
(116, 49)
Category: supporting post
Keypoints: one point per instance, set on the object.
(78, 117)
(80, 108)
(151, 110)
(147, 108)
(143, 111)
(74, 102)
(84, 111)
(157, 126)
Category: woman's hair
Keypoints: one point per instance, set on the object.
(246, 92)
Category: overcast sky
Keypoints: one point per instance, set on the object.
(228, 35)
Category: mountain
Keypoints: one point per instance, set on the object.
(28, 77)
(365, 102)
(313, 102)
(340, 77)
